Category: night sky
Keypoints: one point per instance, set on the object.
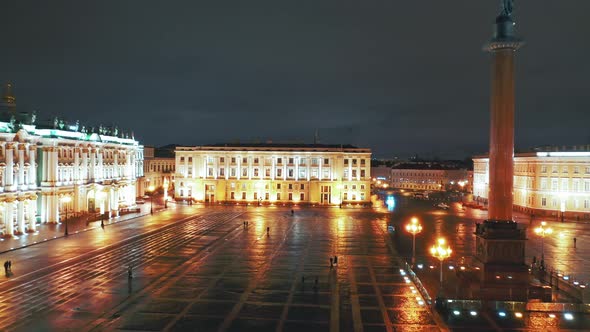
(400, 77)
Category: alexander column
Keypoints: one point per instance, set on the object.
(500, 243)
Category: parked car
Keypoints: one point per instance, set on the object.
(442, 206)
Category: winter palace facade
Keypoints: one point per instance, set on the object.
(46, 170)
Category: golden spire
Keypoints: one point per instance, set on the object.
(8, 99)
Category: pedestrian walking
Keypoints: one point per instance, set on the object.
(292, 212)
(335, 260)
(129, 272)
(6, 267)
(575, 240)
(267, 231)
(331, 262)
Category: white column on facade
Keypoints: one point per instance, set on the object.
(308, 173)
(54, 162)
(44, 170)
(76, 170)
(116, 164)
(32, 165)
(31, 207)
(349, 169)
(20, 215)
(117, 201)
(9, 221)
(320, 174)
(132, 164)
(8, 172)
(286, 161)
(84, 167)
(21, 164)
(296, 168)
(239, 170)
(108, 200)
(272, 170)
(92, 172)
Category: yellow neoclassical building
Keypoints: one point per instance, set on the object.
(274, 173)
(553, 184)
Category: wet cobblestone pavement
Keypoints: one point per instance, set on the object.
(214, 274)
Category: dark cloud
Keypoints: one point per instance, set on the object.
(402, 77)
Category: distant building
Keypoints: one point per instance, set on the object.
(431, 176)
(550, 182)
(158, 169)
(274, 173)
(381, 176)
(50, 169)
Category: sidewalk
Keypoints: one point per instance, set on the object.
(48, 232)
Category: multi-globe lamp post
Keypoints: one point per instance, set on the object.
(414, 228)
(441, 251)
(65, 200)
(542, 231)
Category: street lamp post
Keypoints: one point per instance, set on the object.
(542, 231)
(66, 200)
(151, 190)
(441, 251)
(414, 227)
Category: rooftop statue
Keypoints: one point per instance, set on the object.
(506, 6)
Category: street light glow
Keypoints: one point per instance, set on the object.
(414, 228)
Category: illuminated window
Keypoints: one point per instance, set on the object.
(256, 172)
(576, 185)
(302, 161)
(279, 172)
(576, 170)
(554, 202)
(221, 171)
(290, 196)
(314, 173)
(245, 171)
(278, 186)
(586, 204)
(209, 171)
(362, 196)
(345, 197)
(587, 170)
(354, 173)
(232, 185)
(243, 186)
(302, 187)
(267, 172)
(232, 172)
(543, 183)
(290, 186)
(362, 173)
(302, 173)
(301, 196)
(586, 186)
(576, 204)
(232, 195)
(326, 173)
(314, 161)
(554, 169)
(564, 184)
(290, 172)
(564, 170)
(345, 173)
(554, 184)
